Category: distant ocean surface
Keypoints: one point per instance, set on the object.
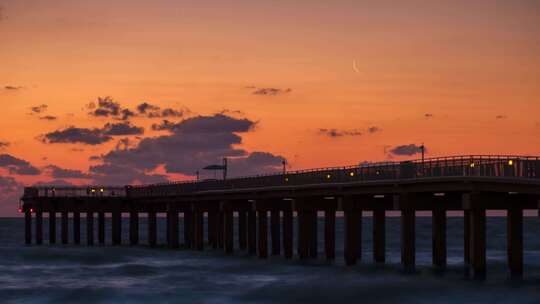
(80, 274)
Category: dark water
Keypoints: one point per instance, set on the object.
(78, 274)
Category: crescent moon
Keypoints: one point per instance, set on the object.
(355, 67)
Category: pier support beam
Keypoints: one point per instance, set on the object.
(89, 228)
(439, 237)
(263, 234)
(76, 227)
(288, 233)
(101, 227)
(252, 232)
(27, 226)
(478, 242)
(172, 227)
(188, 229)
(467, 237)
(116, 227)
(39, 226)
(242, 230)
(379, 235)
(353, 241)
(330, 234)
(211, 225)
(64, 224)
(515, 241)
(52, 227)
(313, 235)
(152, 228)
(198, 223)
(220, 232)
(303, 234)
(275, 231)
(133, 227)
(408, 239)
(228, 227)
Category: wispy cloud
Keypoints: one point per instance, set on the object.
(270, 91)
(334, 133)
(407, 150)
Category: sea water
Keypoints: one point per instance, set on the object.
(139, 274)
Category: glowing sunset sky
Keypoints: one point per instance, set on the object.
(461, 76)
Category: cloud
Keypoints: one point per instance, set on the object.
(12, 88)
(256, 163)
(10, 193)
(408, 150)
(48, 117)
(106, 107)
(17, 166)
(122, 128)
(428, 115)
(501, 117)
(271, 91)
(39, 109)
(117, 174)
(4, 144)
(73, 135)
(57, 172)
(218, 123)
(374, 129)
(191, 144)
(334, 133)
(94, 136)
(154, 111)
(56, 182)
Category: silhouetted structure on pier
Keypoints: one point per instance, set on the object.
(472, 184)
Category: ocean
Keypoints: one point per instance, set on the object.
(124, 274)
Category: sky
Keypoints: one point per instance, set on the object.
(130, 92)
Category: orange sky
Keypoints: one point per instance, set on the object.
(463, 62)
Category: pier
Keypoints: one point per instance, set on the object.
(272, 209)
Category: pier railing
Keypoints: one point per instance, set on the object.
(503, 166)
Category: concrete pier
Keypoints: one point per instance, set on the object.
(406, 187)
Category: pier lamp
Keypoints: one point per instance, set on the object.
(93, 190)
(510, 162)
(351, 174)
(31, 210)
(101, 190)
(328, 176)
(472, 165)
(286, 179)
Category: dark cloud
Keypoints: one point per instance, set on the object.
(428, 115)
(17, 166)
(374, 129)
(145, 108)
(191, 145)
(4, 144)
(501, 117)
(154, 111)
(94, 136)
(10, 193)
(271, 91)
(48, 117)
(408, 150)
(12, 88)
(106, 107)
(57, 172)
(116, 174)
(73, 135)
(334, 133)
(122, 128)
(217, 123)
(55, 182)
(39, 109)
(256, 163)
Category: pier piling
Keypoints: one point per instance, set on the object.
(89, 228)
(52, 227)
(39, 227)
